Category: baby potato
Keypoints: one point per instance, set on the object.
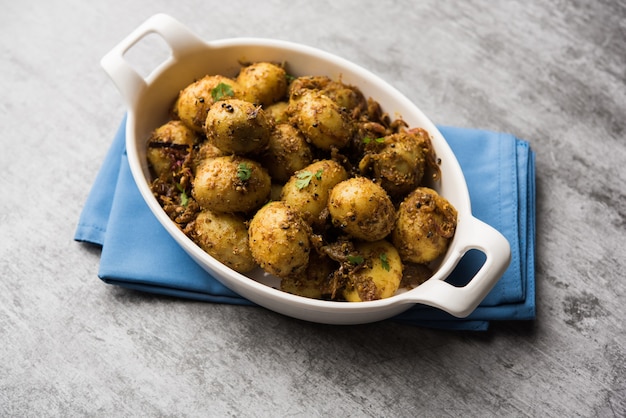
(361, 208)
(287, 152)
(264, 83)
(205, 151)
(225, 237)
(396, 161)
(346, 96)
(237, 126)
(231, 184)
(308, 189)
(301, 85)
(279, 240)
(321, 120)
(194, 101)
(313, 281)
(167, 144)
(278, 112)
(426, 223)
(380, 276)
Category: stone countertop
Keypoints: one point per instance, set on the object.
(553, 73)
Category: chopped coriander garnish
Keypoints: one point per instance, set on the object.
(184, 199)
(367, 140)
(244, 172)
(384, 261)
(221, 90)
(356, 259)
(304, 178)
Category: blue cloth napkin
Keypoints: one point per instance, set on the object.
(138, 253)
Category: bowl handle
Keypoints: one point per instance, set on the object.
(461, 301)
(178, 37)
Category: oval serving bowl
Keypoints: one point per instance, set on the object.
(149, 101)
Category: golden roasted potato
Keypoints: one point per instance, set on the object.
(237, 126)
(264, 83)
(397, 161)
(231, 184)
(205, 151)
(321, 120)
(362, 209)
(279, 240)
(225, 237)
(313, 282)
(287, 152)
(278, 112)
(426, 223)
(168, 144)
(194, 101)
(301, 85)
(346, 96)
(380, 274)
(308, 189)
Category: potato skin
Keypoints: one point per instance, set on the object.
(381, 275)
(237, 126)
(164, 144)
(397, 161)
(279, 240)
(193, 102)
(225, 237)
(362, 208)
(321, 120)
(265, 83)
(287, 152)
(217, 184)
(301, 85)
(278, 112)
(206, 151)
(313, 282)
(426, 223)
(346, 96)
(311, 199)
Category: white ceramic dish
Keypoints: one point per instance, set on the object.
(149, 100)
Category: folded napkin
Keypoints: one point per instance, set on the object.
(138, 253)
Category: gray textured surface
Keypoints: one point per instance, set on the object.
(553, 73)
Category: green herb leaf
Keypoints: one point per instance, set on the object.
(384, 261)
(356, 259)
(184, 199)
(367, 140)
(244, 172)
(304, 178)
(222, 90)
